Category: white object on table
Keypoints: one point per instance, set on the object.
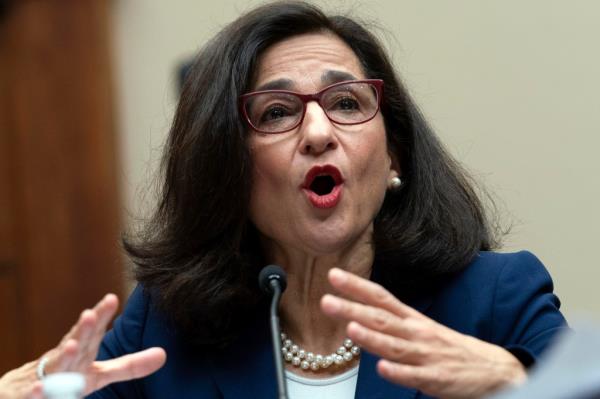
(64, 385)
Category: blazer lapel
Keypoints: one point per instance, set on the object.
(246, 370)
(371, 386)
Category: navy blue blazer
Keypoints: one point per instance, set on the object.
(505, 299)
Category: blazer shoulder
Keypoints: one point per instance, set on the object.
(495, 265)
(525, 311)
(501, 259)
(506, 280)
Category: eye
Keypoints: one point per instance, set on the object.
(274, 112)
(347, 104)
(343, 102)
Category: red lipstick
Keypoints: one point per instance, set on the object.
(323, 186)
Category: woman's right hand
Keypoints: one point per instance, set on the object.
(77, 352)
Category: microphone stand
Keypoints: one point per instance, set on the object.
(276, 337)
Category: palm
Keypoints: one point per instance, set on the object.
(78, 349)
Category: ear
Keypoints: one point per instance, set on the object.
(395, 170)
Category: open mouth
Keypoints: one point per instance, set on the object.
(322, 180)
(322, 185)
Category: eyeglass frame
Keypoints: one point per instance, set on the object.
(305, 98)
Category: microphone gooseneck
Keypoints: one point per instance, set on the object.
(272, 280)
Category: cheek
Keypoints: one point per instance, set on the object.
(375, 159)
(375, 173)
(269, 180)
(268, 168)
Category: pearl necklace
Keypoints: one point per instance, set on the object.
(292, 353)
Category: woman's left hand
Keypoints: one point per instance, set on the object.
(416, 351)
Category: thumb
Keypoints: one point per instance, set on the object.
(127, 367)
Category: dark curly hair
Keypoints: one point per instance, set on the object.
(199, 255)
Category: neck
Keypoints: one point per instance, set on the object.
(301, 317)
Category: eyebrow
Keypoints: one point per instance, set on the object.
(279, 84)
(332, 76)
(328, 77)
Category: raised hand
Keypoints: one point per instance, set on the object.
(77, 352)
(21, 383)
(416, 351)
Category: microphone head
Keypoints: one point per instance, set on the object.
(271, 272)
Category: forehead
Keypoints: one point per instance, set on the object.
(308, 61)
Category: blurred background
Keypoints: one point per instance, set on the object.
(88, 89)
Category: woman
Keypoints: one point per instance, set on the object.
(294, 143)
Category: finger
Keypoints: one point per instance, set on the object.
(79, 347)
(61, 358)
(369, 316)
(102, 312)
(85, 321)
(105, 310)
(96, 318)
(81, 332)
(422, 378)
(87, 325)
(101, 315)
(66, 357)
(36, 391)
(387, 346)
(368, 292)
(83, 337)
(135, 365)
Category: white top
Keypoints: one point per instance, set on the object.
(340, 386)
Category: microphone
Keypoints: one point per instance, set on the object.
(272, 280)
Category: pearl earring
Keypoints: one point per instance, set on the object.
(395, 183)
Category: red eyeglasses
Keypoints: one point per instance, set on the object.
(345, 103)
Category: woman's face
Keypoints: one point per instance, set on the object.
(292, 207)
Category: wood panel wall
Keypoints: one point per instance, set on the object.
(59, 203)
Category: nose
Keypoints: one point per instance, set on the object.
(318, 135)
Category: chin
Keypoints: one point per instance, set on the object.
(326, 242)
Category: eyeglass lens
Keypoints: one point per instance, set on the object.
(350, 103)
